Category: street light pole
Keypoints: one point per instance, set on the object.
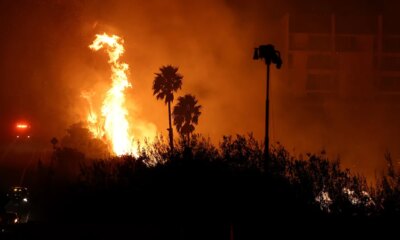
(266, 142)
(270, 55)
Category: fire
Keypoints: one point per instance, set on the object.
(113, 124)
(92, 120)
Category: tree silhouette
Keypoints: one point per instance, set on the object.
(167, 81)
(79, 138)
(186, 114)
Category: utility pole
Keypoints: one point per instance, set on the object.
(270, 55)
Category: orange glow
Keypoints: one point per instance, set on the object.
(112, 124)
(92, 120)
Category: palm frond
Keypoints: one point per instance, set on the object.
(186, 114)
(166, 82)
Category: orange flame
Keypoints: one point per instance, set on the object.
(115, 127)
(92, 120)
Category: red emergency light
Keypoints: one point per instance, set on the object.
(22, 126)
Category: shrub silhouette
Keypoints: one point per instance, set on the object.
(225, 183)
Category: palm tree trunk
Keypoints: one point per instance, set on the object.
(171, 136)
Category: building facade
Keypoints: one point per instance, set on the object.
(342, 56)
(340, 87)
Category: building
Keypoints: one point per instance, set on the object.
(341, 55)
(340, 83)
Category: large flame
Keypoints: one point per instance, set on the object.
(113, 125)
(95, 127)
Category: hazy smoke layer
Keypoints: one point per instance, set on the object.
(46, 64)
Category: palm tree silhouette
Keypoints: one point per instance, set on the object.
(167, 81)
(186, 114)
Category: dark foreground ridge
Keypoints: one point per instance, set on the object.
(202, 193)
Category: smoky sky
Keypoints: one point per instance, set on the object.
(45, 63)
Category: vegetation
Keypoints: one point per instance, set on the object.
(166, 82)
(225, 182)
(79, 138)
(186, 114)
